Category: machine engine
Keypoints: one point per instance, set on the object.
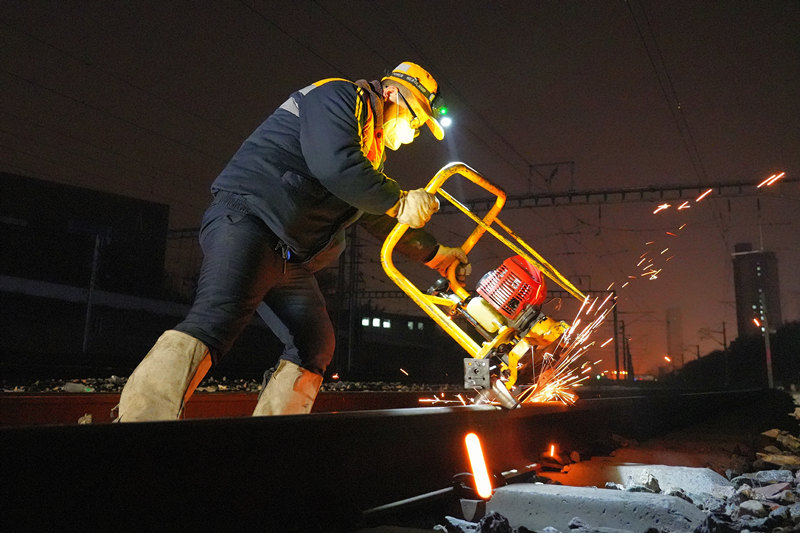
(508, 307)
(513, 286)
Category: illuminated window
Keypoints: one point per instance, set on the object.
(387, 323)
(365, 321)
(411, 325)
(420, 326)
(376, 322)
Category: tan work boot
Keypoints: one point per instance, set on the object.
(290, 391)
(161, 385)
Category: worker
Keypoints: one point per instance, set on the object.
(278, 215)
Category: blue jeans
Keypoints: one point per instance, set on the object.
(244, 271)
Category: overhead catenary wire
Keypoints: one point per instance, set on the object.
(119, 79)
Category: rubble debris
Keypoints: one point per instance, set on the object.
(762, 496)
(212, 384)
(75, 387)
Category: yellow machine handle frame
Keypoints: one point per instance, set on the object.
(432, 304)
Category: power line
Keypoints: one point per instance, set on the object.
(103, 149)
(116, 77)
(113, 115)
(669, 95)
(452, 87)
(267, 20)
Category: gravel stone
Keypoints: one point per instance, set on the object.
(753, 508)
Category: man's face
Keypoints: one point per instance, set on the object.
(398, 123)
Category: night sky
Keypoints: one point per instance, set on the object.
(151, 98)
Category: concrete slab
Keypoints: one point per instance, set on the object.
(600, 470)
(538, 506)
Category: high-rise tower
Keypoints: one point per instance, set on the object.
(755, 279)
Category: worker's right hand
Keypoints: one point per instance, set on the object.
(414, 208)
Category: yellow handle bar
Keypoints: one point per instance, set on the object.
(431, 304)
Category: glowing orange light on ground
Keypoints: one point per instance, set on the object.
(552, 450)
(478, 464)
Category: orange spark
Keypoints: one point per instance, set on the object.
(682, 226)
(648, 243)
(668, 258)
(684, 205)
(642, 261)
(776, 178)
(704, 195)
(662, 207)
(756, 322)
(604, 302)
(765, 181)
(403, 371)
(667, 359)
(670, 233)
(592, 306)
(631, 277)
(625, 284)
(770, 180)
(609, 287)
(609, 340)
(552, 450)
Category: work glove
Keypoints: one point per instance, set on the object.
(414, 207)
(445, 257)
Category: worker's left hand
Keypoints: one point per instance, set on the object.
(445, 257)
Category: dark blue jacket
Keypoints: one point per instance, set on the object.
(314, 167)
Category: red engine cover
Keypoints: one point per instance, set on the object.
(513, 286)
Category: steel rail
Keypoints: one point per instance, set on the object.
(319, 472)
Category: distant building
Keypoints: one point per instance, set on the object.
(60, 234)
(755, 279)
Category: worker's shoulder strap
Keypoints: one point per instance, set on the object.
(327, 80)
(365, 90)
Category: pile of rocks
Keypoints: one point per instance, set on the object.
(764, 496)
(212, 384)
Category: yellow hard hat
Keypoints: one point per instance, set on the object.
(423, 89)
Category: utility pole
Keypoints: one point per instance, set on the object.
(625, 356)
(90, 295)
(616, 334)
(767, 349)
(725, 356)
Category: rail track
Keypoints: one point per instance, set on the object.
(322, 472)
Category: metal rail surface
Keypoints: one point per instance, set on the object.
(318, 472)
